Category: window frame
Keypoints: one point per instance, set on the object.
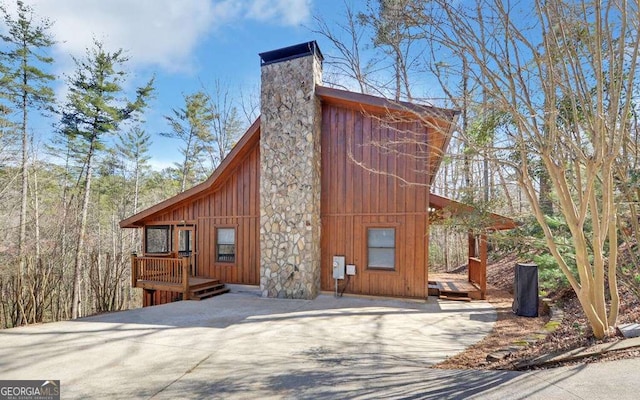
(369, 267)
(177, 229)
(216, 244)
(169, 237)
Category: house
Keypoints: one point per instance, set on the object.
(321, 173)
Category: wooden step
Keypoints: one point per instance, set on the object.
(454, 296)
(197, 283)
(211, 290)
(454, 289)
(433, 289)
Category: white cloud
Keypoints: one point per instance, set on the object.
(286, 12)
(160, 32)
(157, 32)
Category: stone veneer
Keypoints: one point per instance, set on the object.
(290, 179)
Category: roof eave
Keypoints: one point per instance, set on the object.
(498, 222)
(359, 100)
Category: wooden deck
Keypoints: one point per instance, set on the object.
(194, 283)
(453, 287)
(172, 275)
(199, 288)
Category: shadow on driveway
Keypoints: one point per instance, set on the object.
(240, 345)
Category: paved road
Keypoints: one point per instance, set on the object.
(242, 346)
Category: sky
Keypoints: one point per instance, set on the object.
(185, 44)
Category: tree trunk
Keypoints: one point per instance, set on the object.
(77, 270)
(22, 237)
(546, 204)
(136, 195)
(36, 212)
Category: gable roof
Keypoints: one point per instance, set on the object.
(251, 136)
(377, 104)
(363, 102)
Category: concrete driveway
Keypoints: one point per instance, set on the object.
(243, 346)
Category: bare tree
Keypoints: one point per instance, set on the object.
(564, 74)
(250, 104)
(347, 39)
(225, 127)
(396, 34)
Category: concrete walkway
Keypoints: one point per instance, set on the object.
(241, 346)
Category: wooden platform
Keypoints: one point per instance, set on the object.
(453, 287)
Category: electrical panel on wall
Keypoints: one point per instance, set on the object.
(338, 267)
(351, 269)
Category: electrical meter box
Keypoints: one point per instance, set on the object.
(338, 267)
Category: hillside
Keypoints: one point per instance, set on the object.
(572, 333)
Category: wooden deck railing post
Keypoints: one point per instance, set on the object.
(185, 278)
(483, 265)
(134, 270)
(473, 253)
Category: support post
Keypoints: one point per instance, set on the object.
(134, 270)
(483, 265)
(472, 253)
(152, 295)
(185, 278)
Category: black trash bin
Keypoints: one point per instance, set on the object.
(525, 290)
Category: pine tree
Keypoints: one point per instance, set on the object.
(193, 126)
(96, 106)
(133, 147)
(26, 85)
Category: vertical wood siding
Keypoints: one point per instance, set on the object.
(232, 202)
(355, 198)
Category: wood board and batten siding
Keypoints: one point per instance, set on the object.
(232, 203)
(365, 186)
(230, 199)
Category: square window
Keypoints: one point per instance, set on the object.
(381, 248)
(226, 245)
(157, 239)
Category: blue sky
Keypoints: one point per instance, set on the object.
(185, 43)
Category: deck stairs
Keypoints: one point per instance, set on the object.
(207, 289)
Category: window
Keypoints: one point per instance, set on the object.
(157, 239)
(185, 241)
(381, 248)
(226, 245)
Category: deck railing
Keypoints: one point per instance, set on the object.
(161, 269)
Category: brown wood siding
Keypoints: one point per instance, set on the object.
(160, 297)
(355, 198)
(232, 202)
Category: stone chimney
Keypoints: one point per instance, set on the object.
(290, 172)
